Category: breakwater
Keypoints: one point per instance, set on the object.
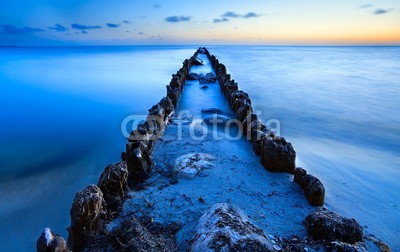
(95, 207)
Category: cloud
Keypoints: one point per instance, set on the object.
(156, 6)
(10, 29)
(251, 15)
(111, 25)
(85, 27)
(177, 19)
(126, 22)
(382, 11)
(58, 28)
(140, 33)
(363, 6)
(220, 20)
(230, 14)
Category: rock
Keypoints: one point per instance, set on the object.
(87, 216)
(244, 110)
(156, 126)
(173, 94)
(217, 119)
(229, 88)
(313, 188)
(134, 234)
(158, 111)
(225, 228)
(207, 79)
(300, 177)
(139, 164)
(221, 70)
(175, 82)
(113, 183)
(246, 129)
(142, 129)
(197, 62)
(212, 111)
(49, 241)
(202, 50)
(189, 165)
(314, 191)
(237, 98)
(204, 87)
(193, 76)
(167, 105)
(323, 224)
(277, 155)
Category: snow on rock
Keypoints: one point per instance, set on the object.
(50, 241)
(189, 165)
(226, 228)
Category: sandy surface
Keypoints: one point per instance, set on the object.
(272, 201)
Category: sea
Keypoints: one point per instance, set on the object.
(65, 113)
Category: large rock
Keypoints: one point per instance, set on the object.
(313, 188)
(87, 216)
(139, 163)
(230, 87)
(314, 191)
(193, 76)
(173, 94)
(167, 105)
(207, 79)
(113, 183)
(237, 98)
(219, 120)
(49, 241)
(188, 166)
(225, 228)
(277, 155)
(244, 110)
(176, 81)
(323, 224)
(197, 62)
(300, 177)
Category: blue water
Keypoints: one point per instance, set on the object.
(62, 110)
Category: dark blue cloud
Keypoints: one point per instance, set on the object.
(220, 20)
(156, 6)
(58, 28)
(10, 29)
(111, 25)
(85, 27)
(251, 15)
(140, 33)
(177, 19)
(230, 14)
(382, 11)
(126, 22)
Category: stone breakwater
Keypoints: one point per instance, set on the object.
(224, 227)
(277, 155)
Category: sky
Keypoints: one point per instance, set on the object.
(144, 22)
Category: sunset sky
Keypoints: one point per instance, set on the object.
(271, 22)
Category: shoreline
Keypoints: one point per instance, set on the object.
(139, 163)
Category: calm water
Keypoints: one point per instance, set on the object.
(62, 110)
